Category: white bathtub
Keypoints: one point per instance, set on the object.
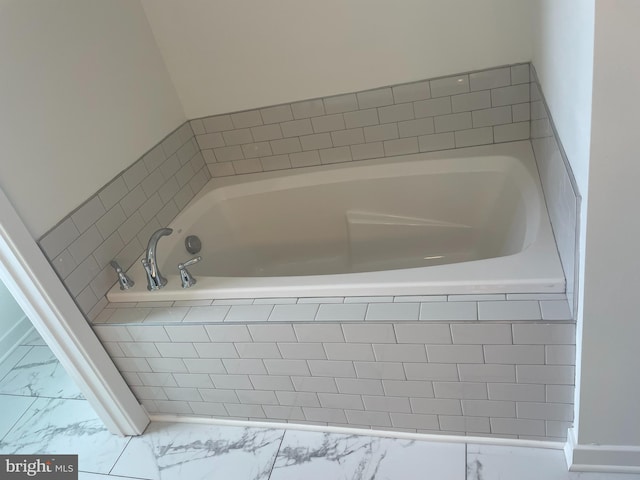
(457, 222)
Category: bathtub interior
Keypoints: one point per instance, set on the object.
(466, 221)
(372, 224)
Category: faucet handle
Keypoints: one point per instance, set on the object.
(188, 263)
(125, 281)
(185, 276)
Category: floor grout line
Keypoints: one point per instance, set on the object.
(275, 458)
(466, 461)
(30, 348)
(19, 418)
(120, 455)
(111, 476)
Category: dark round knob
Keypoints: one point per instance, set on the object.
(193, 244)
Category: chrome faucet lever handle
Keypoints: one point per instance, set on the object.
(188, 263)
(185, 276)
(123, 279)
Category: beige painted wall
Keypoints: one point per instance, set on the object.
(608, 412)
(563, 36)
(584, 54)
(231, 55)
(83, 93)
(563, 57)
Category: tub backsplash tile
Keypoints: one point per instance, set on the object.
(489, 106)
(117, 221)
(483, 107)
(559, 185)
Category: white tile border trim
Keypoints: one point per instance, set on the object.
(428, 437)
(611, 454)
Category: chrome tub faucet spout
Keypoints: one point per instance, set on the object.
(155, 280)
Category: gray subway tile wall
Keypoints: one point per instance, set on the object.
(116, 222)
(479, 108)
(506, 376)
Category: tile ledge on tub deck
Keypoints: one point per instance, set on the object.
(366, 300)
(494, 311)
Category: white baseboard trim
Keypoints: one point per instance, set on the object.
(14, 337)
(507, 442)
(601, 458)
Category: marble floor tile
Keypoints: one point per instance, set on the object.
(34, 339)
(60, 426)
(321, 456)
(175, 451)
(39, 374)
(14, 357)
(491, 462)
(98, 476)
(12, 409)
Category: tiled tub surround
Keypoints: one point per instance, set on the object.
(479, 365)
(479, 108)
(118, 220)
(464, 110)
(559, 185)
